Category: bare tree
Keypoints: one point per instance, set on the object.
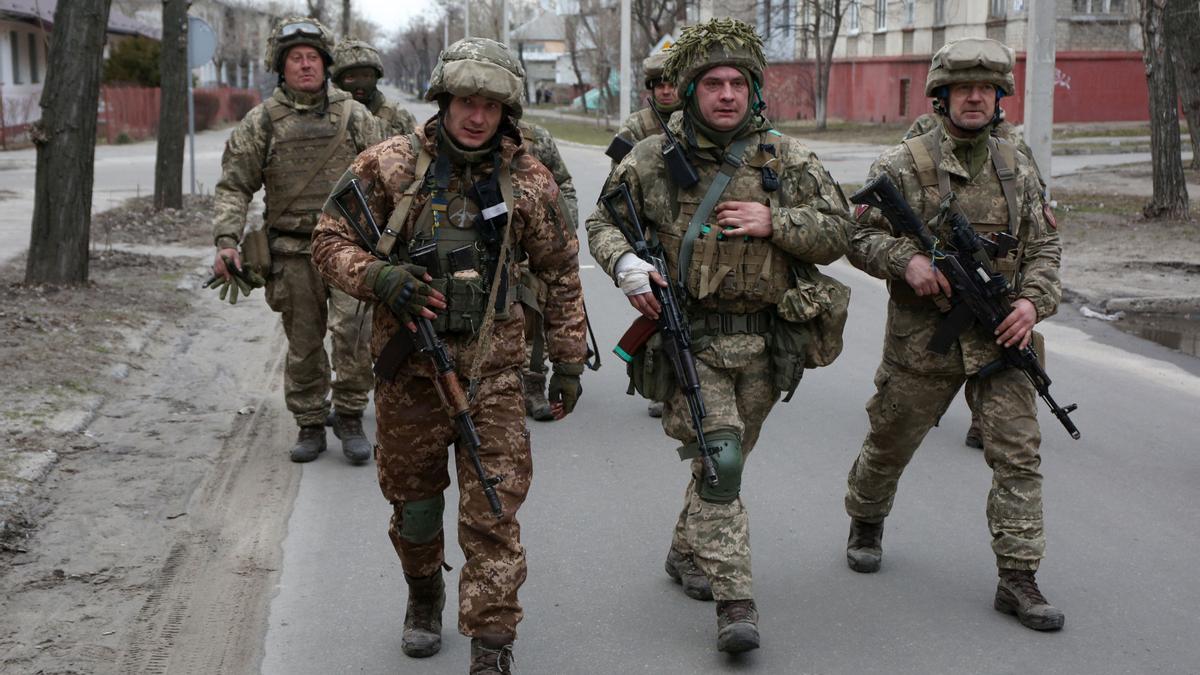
(1182, 28)
(1170, 188)
(572, 29)
(66, 145)
(172, 113)
(824, 23)
(316, 9)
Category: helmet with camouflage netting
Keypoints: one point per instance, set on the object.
(716, 42)
(478, 66)
(355, 54)
(971, 60)
(298, 30)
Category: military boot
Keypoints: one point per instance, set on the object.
(654, 409)
(536, 405)
(310, 444)
(491, 656)
(423, 616)
(974, 437)
(355, 445)
(737, 626)
(1018, 594)
(682, 568)
(864, 549)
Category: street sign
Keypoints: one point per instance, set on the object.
(664, 43)
(201, 42)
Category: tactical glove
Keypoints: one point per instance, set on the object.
(398, 288)
(240, 281)
(565, 386)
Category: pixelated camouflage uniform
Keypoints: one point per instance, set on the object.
(396, 119)
(541, 145)
(810, 226)
(915, 386)
(643, 123)
(273, 147)
(414, 430)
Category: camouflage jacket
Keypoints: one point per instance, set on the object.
(248, 151)
(876, 250)
(641, 124)
(809, 218)
(396, 119)
(1004, 130)
(541, 144)
(537, 222)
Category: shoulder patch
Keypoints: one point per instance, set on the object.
(861, 210)
(1049, 214)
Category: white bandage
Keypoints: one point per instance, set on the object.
(633, 274)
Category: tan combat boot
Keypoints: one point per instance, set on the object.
(536, 405)
(682, 568)
(423, 617)
(1018, 594)
(491, 656)
(864, 549)
(737, 626)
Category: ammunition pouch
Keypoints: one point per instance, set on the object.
(821, 304)
(466, 304)
(746, 270)
(256, 252)
(650, 372)
(788, 346)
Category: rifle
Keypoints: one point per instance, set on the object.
(350, 201)
(980, 294)
(681, 171)
(672, 321)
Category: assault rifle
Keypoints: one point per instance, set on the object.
(980, 294)
(353, 206)
(672, 322)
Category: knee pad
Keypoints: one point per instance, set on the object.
(421, 520)
(727, 459)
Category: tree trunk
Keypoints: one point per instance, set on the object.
(345, 19)
(66, 146)
(1170, 190)
(172, 112)
(1182, 29)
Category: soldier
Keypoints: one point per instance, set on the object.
(296, 144)
(462, 157)
(781, 213)
(997, 189)
(1003, 130)
(358, 69)
(541, 145)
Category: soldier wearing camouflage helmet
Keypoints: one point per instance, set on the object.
(642, 123)
(763, 213)
(998, 191)
(358, 69)
(463, 174)
(295, 145)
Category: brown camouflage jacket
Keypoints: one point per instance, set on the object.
(877, 250)
(386, 170)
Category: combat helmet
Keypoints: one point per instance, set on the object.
(478, 66)
(716, 42)
(652, 67)
(355, 54)
(971, 59)
(298, 30)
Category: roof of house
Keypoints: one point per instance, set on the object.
(545, 26)
(32, 10)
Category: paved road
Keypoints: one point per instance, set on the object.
(1120, 507)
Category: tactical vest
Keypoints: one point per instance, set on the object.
(743, 275)
(648, 122)
(297, 140)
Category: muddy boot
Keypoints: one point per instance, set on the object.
(423, 617)
(310, 444)
(654, 409)
(491, 656)
(864, 549)
(682, 568)
(355, 445)
(1018, 594)
(974, 437)
(737, 626)
(536, 405)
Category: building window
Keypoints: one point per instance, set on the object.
(939, 12)
(1099, 6)
(996, 9)
(852, 19)
(16, 56)
(880, 15)
(34, 75)
(910, 12)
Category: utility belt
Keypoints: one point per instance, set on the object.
(726, 323)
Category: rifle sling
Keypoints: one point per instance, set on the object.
(729, 166)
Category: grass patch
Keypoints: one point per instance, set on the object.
(588, 132)
(849, 132)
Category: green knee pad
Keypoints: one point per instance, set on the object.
(420, 521)
(727, 460)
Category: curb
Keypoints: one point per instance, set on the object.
(1155, 305)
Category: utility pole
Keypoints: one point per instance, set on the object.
(626, 71)
(466, 18)
(1039, 83)
(446, 29)
(504, 22)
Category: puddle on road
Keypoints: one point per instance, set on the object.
(1179, 332)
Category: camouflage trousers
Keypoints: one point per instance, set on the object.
(907, 404)
(412, 455)
(309, 307)
(738, 395)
